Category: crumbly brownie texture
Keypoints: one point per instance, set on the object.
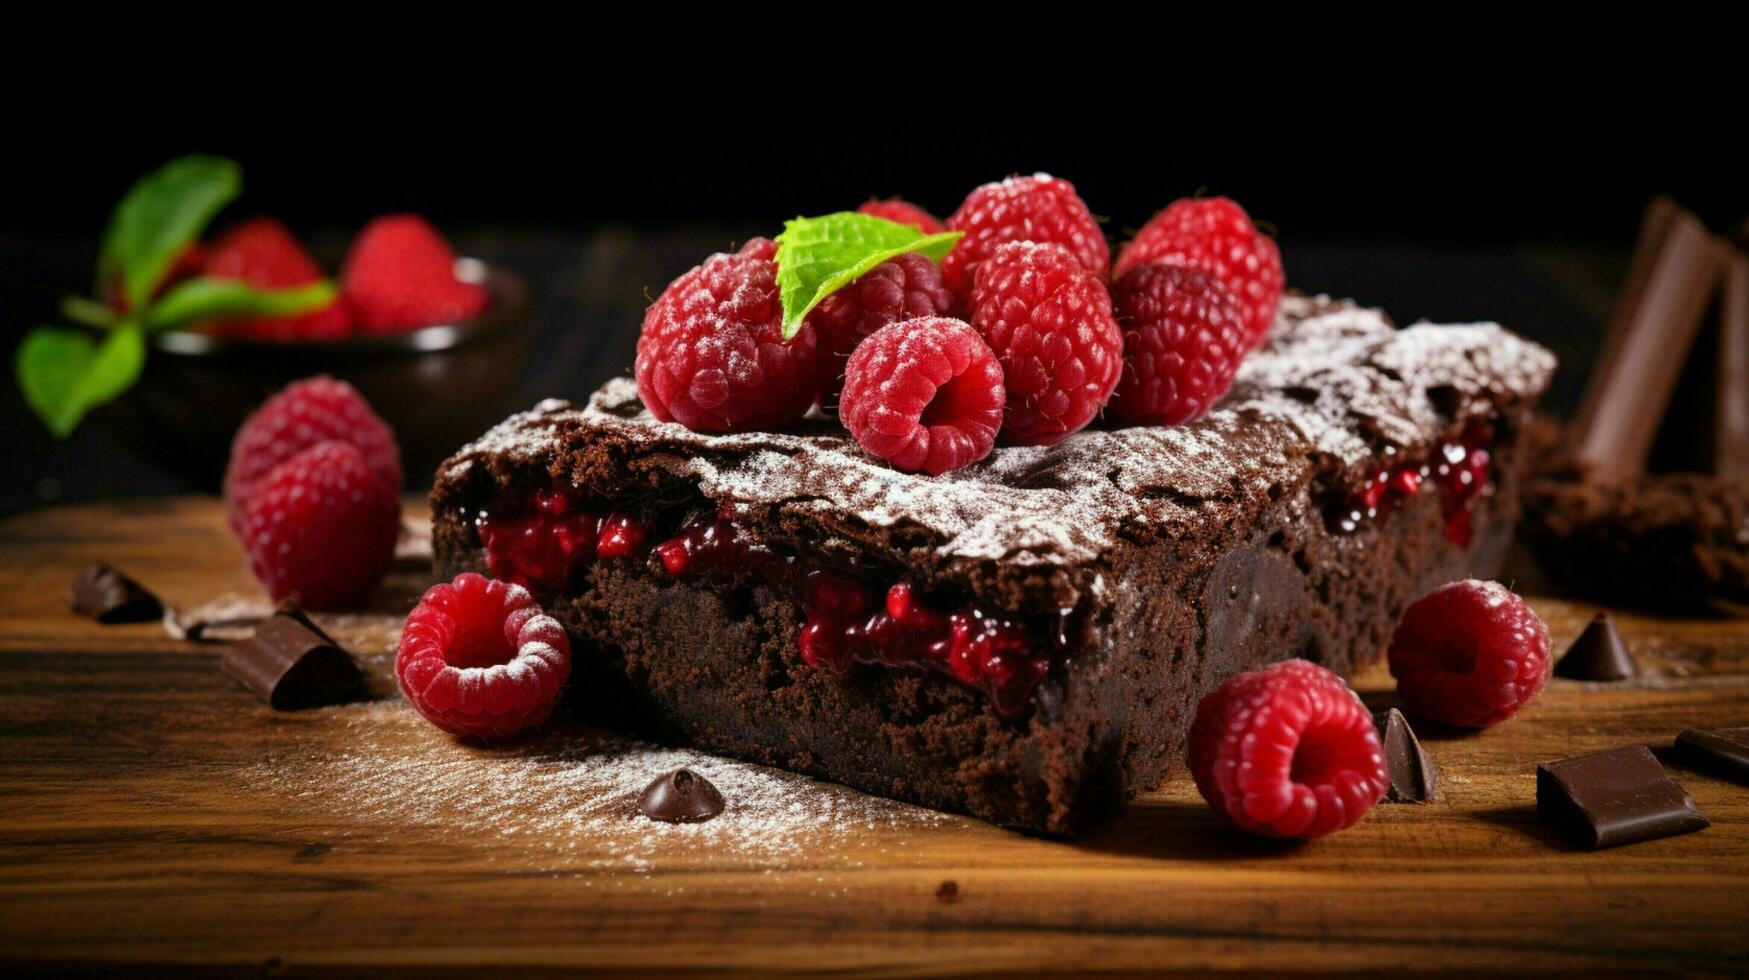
(1180, 555)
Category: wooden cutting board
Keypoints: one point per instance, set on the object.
(154, 814)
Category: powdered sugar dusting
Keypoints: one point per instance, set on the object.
(1337, 382)
(571, 794)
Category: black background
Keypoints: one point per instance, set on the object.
(1479, 182)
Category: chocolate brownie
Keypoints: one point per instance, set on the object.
(1024, 640)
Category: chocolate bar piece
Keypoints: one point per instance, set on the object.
(108, 596)
(290, 663)
(1598, 654)
(1412, 772)
(1607, 799)
(1723, 752)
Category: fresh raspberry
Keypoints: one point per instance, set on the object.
(263, 253)
(1469, 654)
(905, 213)
(1050, 323)
(401, 275)
(478, 658)
(1215, 234)
(1287, 751)
(1040, 208)
(925, 395)
(1183, 338)
(712, 355)
(320, 527)
(302, 414)
(901, 288)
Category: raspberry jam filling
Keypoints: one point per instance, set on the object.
(1459, 470)
(850, 618)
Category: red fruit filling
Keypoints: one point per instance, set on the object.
(851, 618)
(1460, 470)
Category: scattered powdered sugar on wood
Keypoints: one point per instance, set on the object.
(1337, 382)
(570, 792)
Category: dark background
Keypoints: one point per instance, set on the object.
(1505, 187)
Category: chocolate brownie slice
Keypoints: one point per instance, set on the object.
(1026, 639)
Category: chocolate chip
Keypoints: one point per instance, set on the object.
(681, 796)
(1413, 775)
(1606, 799)
(1724, 752)
(1598, 654)
(108, 596)
(290, 663)
(948, 891)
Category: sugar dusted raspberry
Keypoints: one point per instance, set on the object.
(905, 213)
(1050, 323)
(401, 275)
(320, 527)
(1215, 234)
(712, 355)
(1287, 751)
(926, 395)
(1040, 208)
(301, 415)
(1183, 338)
(1469, 654)
(478, 658)
(901, 288)
(263, 253)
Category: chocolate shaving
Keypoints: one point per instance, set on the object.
(1413, 775)
(228, 618)
(1607, 799)
(1598, 654)
(109, 597)
(290, 663)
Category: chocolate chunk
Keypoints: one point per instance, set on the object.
(1724, 752)
(290, 663)
(1598, 654)
(681, 796)
(108, 596)
(1606, 799)
(1413, 774)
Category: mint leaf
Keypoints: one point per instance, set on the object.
(193, 300)
(66, 373)
(161, 214)
(816, 257)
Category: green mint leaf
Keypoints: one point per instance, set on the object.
(66, 373)
(163, 212)
(89, 312)
(194, 300)
(816, 257)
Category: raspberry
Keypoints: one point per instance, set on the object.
(905, 213)
(1214, 234)
(925, 395)
(320, 527)
(1287, 751)
(1050, 323)
(1040, 208)
(401, 275)
(301, 415)
(479, 658)
(262, 253)
(898, 289)
(712, 355)
(1184, 335)
(1469, 654)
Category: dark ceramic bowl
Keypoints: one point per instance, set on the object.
(439, 387)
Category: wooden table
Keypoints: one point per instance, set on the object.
(153, 814)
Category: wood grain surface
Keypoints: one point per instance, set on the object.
(155, 817)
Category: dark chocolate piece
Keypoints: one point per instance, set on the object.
(1607, 799)
(290, 663)
(108, 596)
(1598, 654)
(1413, 775)
(681, 796)
(1724, 752)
